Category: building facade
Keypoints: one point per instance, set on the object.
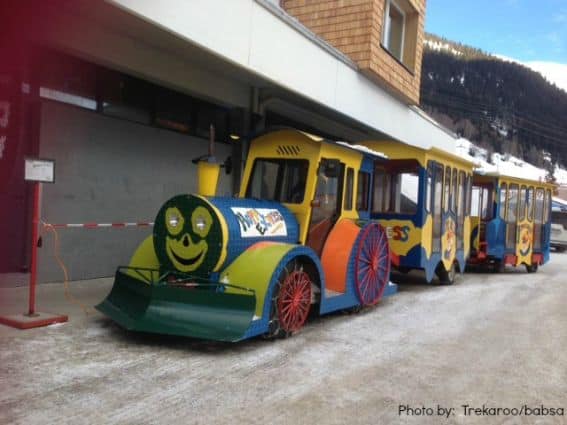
(383, 37)
(122, 94)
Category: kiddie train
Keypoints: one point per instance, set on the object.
(316, 227)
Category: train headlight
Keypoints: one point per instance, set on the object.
(174, 221)
(200, 223)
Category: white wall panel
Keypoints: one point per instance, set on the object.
(248, 34)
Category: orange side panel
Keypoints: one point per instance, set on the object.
(336, 253)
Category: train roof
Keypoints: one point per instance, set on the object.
(451, 156)
(312, 137)
(400, 150)
(497, 175)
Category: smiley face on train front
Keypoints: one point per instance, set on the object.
(188, 236)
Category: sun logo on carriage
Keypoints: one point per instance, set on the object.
(525, 242)
(449, 240)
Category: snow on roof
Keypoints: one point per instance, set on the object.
(364, 149)
(505, 165)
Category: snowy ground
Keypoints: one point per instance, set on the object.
(491, 339)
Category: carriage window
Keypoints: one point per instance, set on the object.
(447, 190)
(502, 203)
(547, 206)
(381, 191)
(486, 205)
(461, 197)
(522, 203)
(362, 191)
(482, 202)
(438, 190)
(461, 210)
(468, 195)
(280, 180)
(428, 187)
(406, 188)
(475, 201)
(349, 185)
(512, 210)
(454, 191)
(539, 206)
(437, 205)
(531, 203)
(396, 191)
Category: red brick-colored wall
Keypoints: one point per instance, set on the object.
(355, 27)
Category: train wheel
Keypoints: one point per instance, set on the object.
(372, 264)
(291, 302)
(532, 268)
(447, 277)
(498, 267)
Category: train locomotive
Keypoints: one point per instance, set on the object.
(297, 238)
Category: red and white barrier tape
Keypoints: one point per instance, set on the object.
(96, 225)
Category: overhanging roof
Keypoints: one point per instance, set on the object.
(249, 35)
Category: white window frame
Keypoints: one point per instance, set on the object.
(386, 29)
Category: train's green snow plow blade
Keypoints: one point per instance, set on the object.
(181, 307)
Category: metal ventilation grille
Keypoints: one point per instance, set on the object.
(288, 150)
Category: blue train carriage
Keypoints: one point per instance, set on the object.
(421, 196)
(511, 222)
(297, 239)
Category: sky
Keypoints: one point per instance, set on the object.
(526, 30)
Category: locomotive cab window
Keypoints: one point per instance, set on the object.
(281, 180)
(348, 189)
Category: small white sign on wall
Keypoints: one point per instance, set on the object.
(39, 170)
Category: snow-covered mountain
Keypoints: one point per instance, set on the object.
(499, 103)
(553, 72)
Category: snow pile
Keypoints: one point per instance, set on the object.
(505, 164)
(364, 149)
(560, 175)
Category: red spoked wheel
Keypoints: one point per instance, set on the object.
(372, 264)
(291, 304)
(294, 301)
